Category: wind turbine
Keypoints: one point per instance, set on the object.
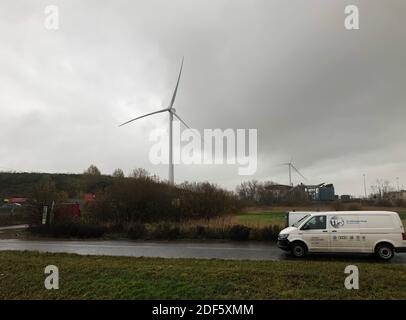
(290, 166)
(172, 113)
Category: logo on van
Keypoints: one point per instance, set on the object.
(336, 222)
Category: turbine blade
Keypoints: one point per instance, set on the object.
(186, 125)
(145, 115)
(298, 172)
(181, 120)
(177, 85)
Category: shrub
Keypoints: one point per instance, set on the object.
(239, 233)
(216, 233)
(45, 193)
(147, 200)
(116, 228)
(269, 233)
(137, 231)
(200, 231)
(69, 230)
(18, 217)
(166, 232)
(400, 203)
(354, 207)
(135, 199)
(338, 206)
(193, 232)
(205, 200)
(384, 203)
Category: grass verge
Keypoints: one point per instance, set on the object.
(99, 277)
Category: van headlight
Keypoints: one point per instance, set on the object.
(283, 236)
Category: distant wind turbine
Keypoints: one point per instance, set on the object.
(290, 166)
(172, 113)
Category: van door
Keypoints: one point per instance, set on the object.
(378, 227)
(345, 233)
(315, 233)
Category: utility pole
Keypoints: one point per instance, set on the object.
(365, 187)
(397, 182)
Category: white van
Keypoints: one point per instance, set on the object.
(294, 216)
(379, 232)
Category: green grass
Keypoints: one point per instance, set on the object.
(96, 277)
(403, 217)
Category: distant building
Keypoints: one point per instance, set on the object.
(301, 192)
(345, 197)
(319, 192)
(396, 195)
(312, 191)
(326, 193)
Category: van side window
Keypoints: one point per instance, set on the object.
(315, 223)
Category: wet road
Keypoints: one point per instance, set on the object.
(203, 250)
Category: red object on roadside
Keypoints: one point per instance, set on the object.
(88, 197)
(69, 210)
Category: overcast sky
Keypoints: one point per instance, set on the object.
(333, 99)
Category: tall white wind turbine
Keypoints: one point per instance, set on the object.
(172, 113)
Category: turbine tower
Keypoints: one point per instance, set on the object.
(291, 166)
(172, 113)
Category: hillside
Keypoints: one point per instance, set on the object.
(21, 184)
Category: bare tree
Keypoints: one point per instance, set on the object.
(139, 173)
(247, 190)
(118, 173)
(92, 170)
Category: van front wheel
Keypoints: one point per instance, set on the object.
(384, 252)
(298, 250)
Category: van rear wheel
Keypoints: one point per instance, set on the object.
(384, 251)
(298, 250)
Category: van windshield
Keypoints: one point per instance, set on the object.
(299, 222)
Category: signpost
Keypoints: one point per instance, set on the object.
(44, 214)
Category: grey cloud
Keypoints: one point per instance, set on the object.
(332, 99)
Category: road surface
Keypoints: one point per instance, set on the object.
(180, 249)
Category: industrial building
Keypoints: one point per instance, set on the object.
(319, 192)
(396, 195)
